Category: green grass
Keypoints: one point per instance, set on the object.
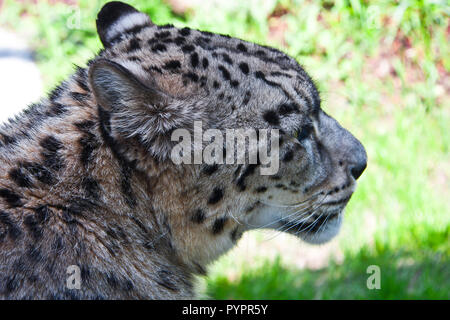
(406, 274)
(383, 71)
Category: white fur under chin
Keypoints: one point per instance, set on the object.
(269, 217)
(328, 232)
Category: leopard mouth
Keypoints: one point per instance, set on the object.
(321, 226)
(312, 225)
(341, 202)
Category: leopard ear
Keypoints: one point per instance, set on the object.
(115, 87)
(116, 18)
(135, 110)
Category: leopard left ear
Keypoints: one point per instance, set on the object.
(116, 88)
(116, 18)
(136, 110)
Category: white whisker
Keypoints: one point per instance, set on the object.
(291, 205)
(304, 209)
(310, 212)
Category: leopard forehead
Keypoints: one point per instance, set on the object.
(230, 76)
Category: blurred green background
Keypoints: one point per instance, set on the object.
(383, 71)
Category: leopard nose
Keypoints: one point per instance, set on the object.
(357, 169)
(357, 159)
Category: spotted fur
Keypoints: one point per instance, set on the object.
(86, 177)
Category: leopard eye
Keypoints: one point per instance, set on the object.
(304, 132)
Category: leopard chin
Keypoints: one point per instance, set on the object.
(317, 225)
(327, 229)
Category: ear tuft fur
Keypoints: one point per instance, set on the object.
(115, 86)
(116, 18)
(138, 110)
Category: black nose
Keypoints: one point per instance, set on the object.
(358, 169)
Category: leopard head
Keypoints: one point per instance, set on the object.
(157, 80)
